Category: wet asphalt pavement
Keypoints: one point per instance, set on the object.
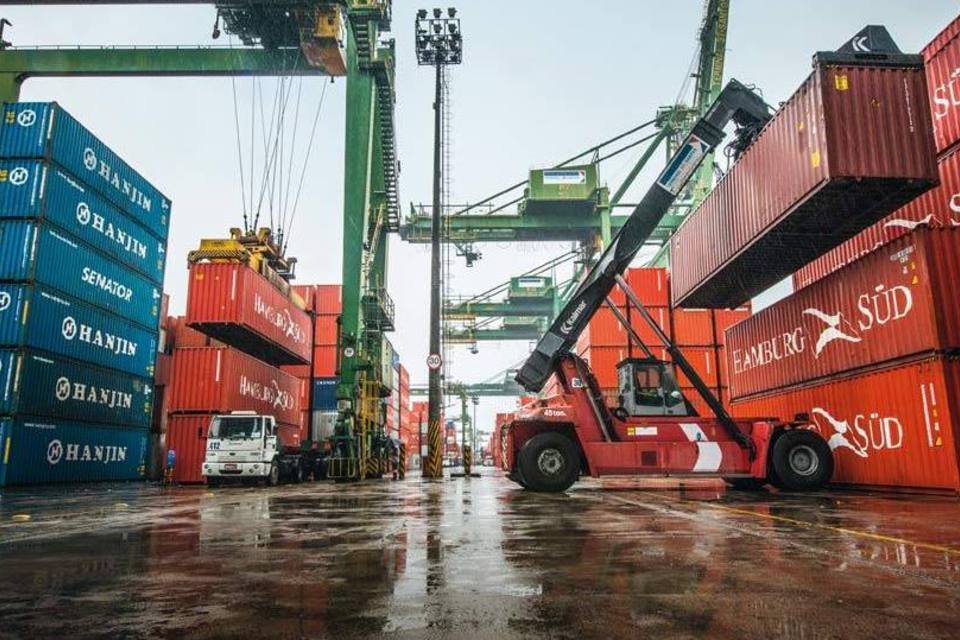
(476, 558)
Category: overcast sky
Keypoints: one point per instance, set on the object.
(541, 79)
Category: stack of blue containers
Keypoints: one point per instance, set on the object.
(82, 254)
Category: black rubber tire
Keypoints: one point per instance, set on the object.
(534, 467)
(214, 482)
(745, 484)
(297, 475)
(273, 478)
(787, 475)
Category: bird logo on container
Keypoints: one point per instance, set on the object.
(4, 300)
(833, 331)
(54, 451)
(27, 118)
(69, 328)
(865, 433)
(19, 176)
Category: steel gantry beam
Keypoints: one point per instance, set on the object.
(19, 64)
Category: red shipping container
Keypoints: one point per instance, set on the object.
(328, 299)
(704, 362)
(723, 368)
(603, 362)
(307, 293)
(723, 319)
(180, 335)
(852, 145)
(888, 428)
(161, 376)
(937, 207)
(221, 380)
(187, 436)
(650, 284)
(239, 307)
(660, 315)
(942, 61)
(326, 329)
(898, 301)
(699, 404)
(693, 327)
(604, 330)
(297, 370)
(325, 361)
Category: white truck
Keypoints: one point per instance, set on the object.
(245, 446)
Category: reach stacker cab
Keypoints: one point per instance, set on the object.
(654, 429)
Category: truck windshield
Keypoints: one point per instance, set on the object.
(230, 428)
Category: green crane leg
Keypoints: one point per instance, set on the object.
(10, 87)
(357, 179)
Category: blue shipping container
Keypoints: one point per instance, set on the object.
(38, 190)
(44, 130)
(37, 451)
(32, 252)
(325, 394)
(38, 318)
(33, 383)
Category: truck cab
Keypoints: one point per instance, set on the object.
(242, 446)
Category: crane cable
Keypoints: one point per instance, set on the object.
(306, 160)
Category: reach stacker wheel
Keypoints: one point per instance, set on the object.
(801, 460)
(549, 462)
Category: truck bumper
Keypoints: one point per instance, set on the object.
(235, 470)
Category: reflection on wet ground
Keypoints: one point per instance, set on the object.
(475, 558)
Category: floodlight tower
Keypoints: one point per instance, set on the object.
(439, 43)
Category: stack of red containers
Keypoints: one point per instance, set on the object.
(940, 206)
(260, 328)
(419, 413)
(868, 355)
(698, 333)
(407, 430)
(327, 306)
(322, 303)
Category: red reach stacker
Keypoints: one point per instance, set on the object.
(654, 430)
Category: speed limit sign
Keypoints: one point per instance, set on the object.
(434, 361)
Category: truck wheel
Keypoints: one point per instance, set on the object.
(213, 482)
(273, 479)
(549, 462)
(801, 461)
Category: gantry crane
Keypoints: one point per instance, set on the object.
(289, 38)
